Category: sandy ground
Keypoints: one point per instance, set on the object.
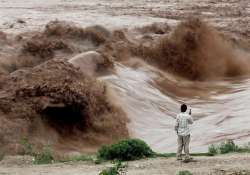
(219, 165)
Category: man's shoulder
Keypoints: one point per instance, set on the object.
(183, 115)
(179, 115)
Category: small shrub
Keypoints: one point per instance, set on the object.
(228, 146)
(45, 157)
(245, 148)
(130, 149)
(27, 147)
(184, 173)
(212, 149)
(115, 170)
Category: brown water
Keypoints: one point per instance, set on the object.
(152, 113)
(220, 107)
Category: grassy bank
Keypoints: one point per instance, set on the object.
(228, 146)
(121, 152)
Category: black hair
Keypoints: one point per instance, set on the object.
(183, 108)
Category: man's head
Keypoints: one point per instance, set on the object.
(183, 108)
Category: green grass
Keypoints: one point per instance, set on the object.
(88, 158)
(126, 150)
(129, 149)
(115, 170)
(168, 155)
(45, 157)
(27, 147)
(185, 172)
(81, 158)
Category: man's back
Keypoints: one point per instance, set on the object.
(183, 131)
(183, 121)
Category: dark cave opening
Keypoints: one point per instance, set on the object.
(64, 119)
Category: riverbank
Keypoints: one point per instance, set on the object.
(232, 164)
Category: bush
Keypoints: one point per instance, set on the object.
(115, 170)
(184, 173)
(228, 146)
(45, 157)
(212, 149)
(245, 148)
(130, 149)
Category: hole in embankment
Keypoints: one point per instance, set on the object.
(66, 120)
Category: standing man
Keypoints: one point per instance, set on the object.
(183, 120)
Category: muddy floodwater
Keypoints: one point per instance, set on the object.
(231, 15)
(220, 107)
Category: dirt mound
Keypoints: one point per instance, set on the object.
(55, 103)
(196, 51)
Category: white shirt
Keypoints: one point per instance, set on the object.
(183, 120)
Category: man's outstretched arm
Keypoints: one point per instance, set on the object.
(190, 119)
